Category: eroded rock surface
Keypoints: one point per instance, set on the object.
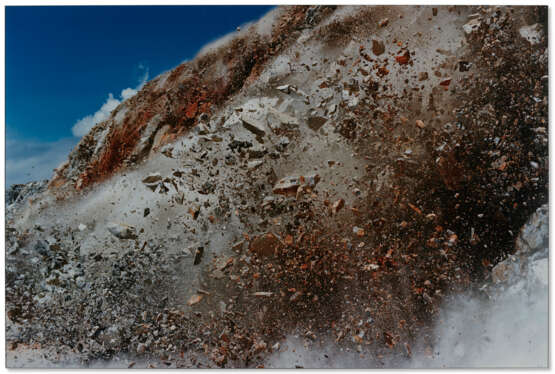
(315, 185)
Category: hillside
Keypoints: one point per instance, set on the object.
(332, 174)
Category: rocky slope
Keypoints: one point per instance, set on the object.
(329, 173)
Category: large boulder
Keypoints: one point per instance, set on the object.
(531, 251)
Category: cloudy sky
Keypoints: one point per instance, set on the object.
(67, 67)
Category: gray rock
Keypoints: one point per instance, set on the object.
(42, 247)
(378, 47)
(472, 25)
(141, 348)
(315, 123)
(285, 88)
(198, 255)
(534, 235)
(253, 126)
(282, 119)
(254, 164)
(531, 33)
(532, 240)
(152, 178)
(122, 231)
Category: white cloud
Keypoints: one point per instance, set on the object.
(85, 124)
(127, 93)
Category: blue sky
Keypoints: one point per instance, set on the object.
(68, 66)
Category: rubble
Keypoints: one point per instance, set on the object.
(290, 185)
(395, 193)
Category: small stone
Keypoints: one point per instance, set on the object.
(288, 240)
(198, 255)
(238, 247)
(372, 267)
(167, 151)
(358, 231)
(383, 22)
(284, 118)
(420, 124)
(252, 126)
(263, 294)
(378, 47)
(422, 76)
(259, 346)
(464, 66)
(194, 211)
(315, 123)
(472, 25)
(82, 227)
(290, 185)
(195, 299)
(285, 88)
(122, 231)
(141, 348)
(251, 165)
(264, 245)
(152, 178)
(445, 83)
(295, 296)
(403, 59)
(337, 205)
